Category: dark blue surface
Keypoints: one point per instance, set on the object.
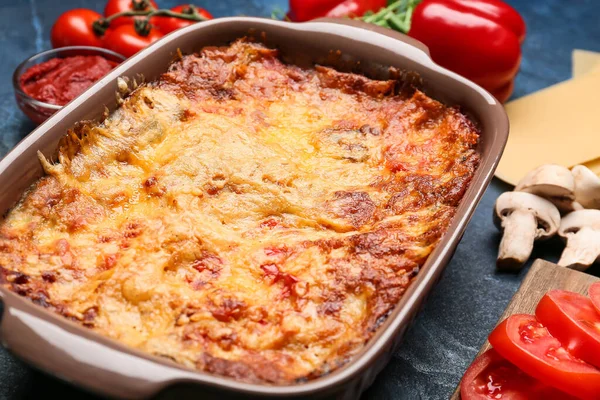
(470, 297)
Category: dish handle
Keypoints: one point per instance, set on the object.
(378, 29)
(58, 347)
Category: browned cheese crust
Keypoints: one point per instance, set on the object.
(242, 216)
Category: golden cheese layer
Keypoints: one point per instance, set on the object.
(242, 216)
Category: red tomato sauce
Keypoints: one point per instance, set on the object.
(60, 80)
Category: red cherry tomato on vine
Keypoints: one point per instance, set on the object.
(526, 343)
(74, 28)
(126, 41)
(170, 24)
(117, 6)
(492, 377)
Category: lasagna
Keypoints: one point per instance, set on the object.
(242, 216)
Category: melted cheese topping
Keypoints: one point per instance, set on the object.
(243, 216)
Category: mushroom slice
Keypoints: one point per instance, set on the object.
(524, 218)
(552, 182)
(581, 230)
(587, 187)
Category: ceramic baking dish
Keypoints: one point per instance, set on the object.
(71, 352)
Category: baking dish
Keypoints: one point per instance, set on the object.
(75, 354)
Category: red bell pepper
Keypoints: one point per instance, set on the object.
(305, 10)
(478, 39)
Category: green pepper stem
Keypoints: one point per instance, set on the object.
(396, 15)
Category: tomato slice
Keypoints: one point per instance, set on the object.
(493, 377)
(594, 293)
(573, 320)
(525, 342)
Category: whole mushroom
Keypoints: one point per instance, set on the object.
(587, 187)
(581, 230)
(524, 218)
(552, 182)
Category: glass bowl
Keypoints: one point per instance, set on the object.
(38, 111)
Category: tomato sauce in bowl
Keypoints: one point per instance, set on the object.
(47, 81)
(60, 80)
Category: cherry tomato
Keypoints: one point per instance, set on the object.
(572, 319)
(126, 41)
(526, 343)
(170, 24)
(493, 377)
(594, 293)
(117, 6)
(74, 28)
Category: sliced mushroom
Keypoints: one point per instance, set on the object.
(552, 182)
(524, 218)
(581, 230)
(587, 187)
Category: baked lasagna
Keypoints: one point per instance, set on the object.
(242, 216)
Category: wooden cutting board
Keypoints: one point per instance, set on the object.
(542, 277)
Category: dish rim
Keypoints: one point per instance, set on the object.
(19, 308)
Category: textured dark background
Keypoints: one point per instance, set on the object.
(470, 297)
